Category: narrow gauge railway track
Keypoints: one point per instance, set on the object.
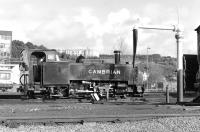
(136, 100)
(87, 119)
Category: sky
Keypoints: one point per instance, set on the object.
(102, 25)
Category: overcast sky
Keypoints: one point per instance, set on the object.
(101, 24)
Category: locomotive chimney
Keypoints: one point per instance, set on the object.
(117, 56)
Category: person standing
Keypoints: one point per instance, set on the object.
(142, 88)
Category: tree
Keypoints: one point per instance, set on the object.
(16, 47)
(30, 45)
(156, 57)
(42, 47)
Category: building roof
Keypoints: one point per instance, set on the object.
(6, 33)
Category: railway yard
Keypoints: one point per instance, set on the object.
(148, 113)
(54, 95)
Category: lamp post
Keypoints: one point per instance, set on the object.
(148, 68)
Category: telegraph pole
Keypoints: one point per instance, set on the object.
(148, 68)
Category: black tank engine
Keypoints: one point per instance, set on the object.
(43, 73)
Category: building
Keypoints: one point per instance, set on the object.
(9, 77)
(5, 45)
(190, 69)
(76, 52)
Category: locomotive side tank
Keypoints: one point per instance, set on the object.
(64, 72)
(102, 72)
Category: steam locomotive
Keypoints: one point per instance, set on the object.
(42, 73)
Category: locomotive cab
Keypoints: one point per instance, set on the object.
(32, 68)
(37, 59)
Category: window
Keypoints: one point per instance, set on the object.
(4, 76)
(51, 57)
(4, 54)
(5, 37)
(2, 45)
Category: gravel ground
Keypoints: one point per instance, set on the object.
(178, 124)
(65, 109)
